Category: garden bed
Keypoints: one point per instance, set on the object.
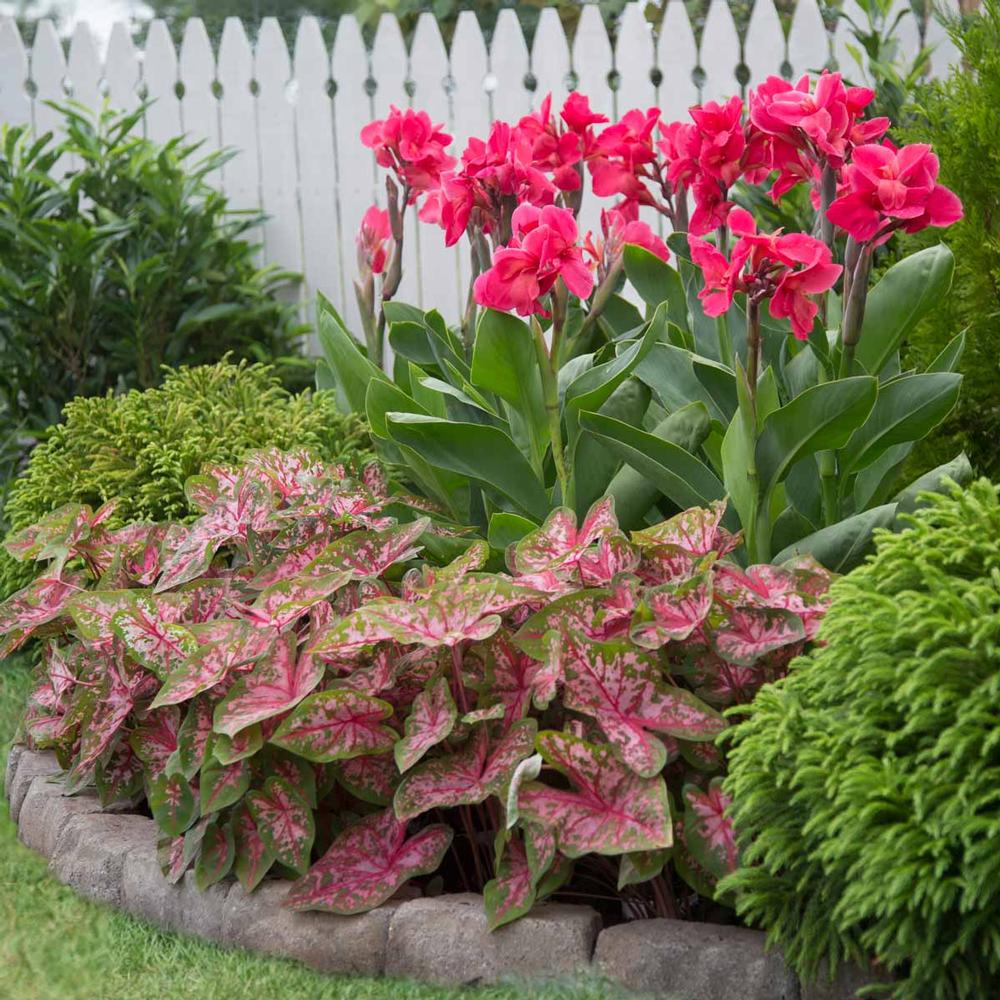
(110, 857)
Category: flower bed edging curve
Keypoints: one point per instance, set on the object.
(110, 858)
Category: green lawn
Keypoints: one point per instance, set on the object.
(54, 946)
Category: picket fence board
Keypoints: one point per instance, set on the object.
(292, 109)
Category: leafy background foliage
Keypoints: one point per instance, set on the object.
(140, 447)
(960, 116)
(263, 675)
(865, 783)
(130, 263)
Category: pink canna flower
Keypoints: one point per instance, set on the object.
(888, 189)
(543, 249)
(577, 115)
(408, 143)
(620, 152)
(618, 227)
(722, 140)
(372, 240)
(788, 269)
(550, 148)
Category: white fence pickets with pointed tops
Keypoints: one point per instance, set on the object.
(292, 109)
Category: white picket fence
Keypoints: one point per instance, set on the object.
(295, 117)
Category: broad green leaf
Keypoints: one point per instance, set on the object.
(907, 292)
(823, 417)
(669, 371)
(906, 409)
(483, 453)
(948, 359)
(656, 281)
(936, 481)
(352, 370)
(506, 528)
(682, 478)
(841, 546)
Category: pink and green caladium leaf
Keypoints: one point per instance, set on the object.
(284, 821)
(170, 855)
(32, 541)
(112, 705)
(372, 779)
(467, 777)
(286, 602)
(369, 553)
(229, 749)
(672, 612)
(300, 774)
(367, 864)
(558, 542)
(41, 602)
(119, 778)
(218, 851)
(253, 857)
(430, 721)
(278, 681)
(193, 739)
(708, 831)
(619, 686)
(420, 582)
(222, 784)
(93, 612)
(172, 803)
(696, 531)
(746, 634)
(521, 865)
(155, 739)
(158, 645)
(468, 611)
(609, 808)
(337, 725)
(235, 644)
(512, 679)
(640, 866)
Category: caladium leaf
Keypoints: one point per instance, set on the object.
(93, 611)
(170, 855)
(237, 644)
(708, 831)
(372, 779)
(277, 682)
(284, 821)
(466, 777)
(155, 739)
(640, 866)
(32, 541)
(300, 774)
(611, 557)
(337, 725)
(193, 739)
(430, 721)
(671, 612)
(619, 686)
(285, 602)
(172, 803)
(367, 864)
(222, 784)
(119, 778)
(218, 851)
(157, 644)
(609, 810)
(229, 749)
(253, 857)
(696, 531)
(748, 633)
(41, 602)
(558, 542)
(511, 893)
(513, 679)
(369, 553)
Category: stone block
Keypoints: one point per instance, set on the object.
(90, 854)
(324, 941)
(446, 940)
(30, 765)
(16, 751)
(691, 961)
(46, 811)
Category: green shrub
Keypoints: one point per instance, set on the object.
(867, 783)
(129, 262)
(960, 117)
(142, 446)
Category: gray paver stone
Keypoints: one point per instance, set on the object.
(30, 765)
(690, 961)
(16, 751)
(46, 811)
(446, 940)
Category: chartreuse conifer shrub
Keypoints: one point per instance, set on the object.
(866, 784)
(141, 447)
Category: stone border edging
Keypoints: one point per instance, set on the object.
(110, 857)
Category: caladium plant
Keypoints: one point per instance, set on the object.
(296, 687)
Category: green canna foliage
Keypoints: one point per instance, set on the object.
(865, 783)
(141, 447)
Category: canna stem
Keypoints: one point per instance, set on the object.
(550, 395)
